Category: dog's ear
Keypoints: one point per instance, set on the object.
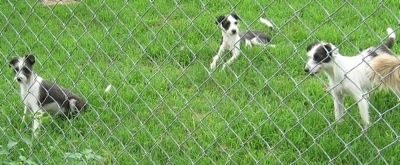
(220, 19)
(309, 47)
(13, 61)
(30, 59)
(234, 15)
(328, 49)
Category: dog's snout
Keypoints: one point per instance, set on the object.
(19, 79)
(306, 70)
(233, 31)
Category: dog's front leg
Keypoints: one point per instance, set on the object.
(213, 64)
(338, 105)
(235, 53)
(27, 111)
(37, 113)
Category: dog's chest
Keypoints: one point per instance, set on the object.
(231, 41)
(29, 94)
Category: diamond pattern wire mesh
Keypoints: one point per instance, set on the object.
(166, 106)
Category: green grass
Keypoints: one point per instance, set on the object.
(167, 108)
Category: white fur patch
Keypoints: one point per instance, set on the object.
(391, 33)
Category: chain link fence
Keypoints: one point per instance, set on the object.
(144, 68)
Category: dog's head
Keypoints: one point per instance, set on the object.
(229, 23)
(23, 68)
(320, 57)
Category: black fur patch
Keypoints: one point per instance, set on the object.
(224, 22)
(220, 19)
(234, 15)
(14, 61)
(309, 47)
(30, 59)
(323, 54)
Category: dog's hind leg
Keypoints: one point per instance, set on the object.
(37, 113)
(362, 106)
(72, 105)
(256, 41)
(248, 43)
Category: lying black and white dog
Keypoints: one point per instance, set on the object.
(231, 37)
(39, 95)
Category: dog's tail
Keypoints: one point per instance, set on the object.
(391, 39)
(385, 71)
(267, 23)
(385, 48)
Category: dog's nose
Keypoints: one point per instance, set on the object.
(233, 31)
(306, 70)
(19, 79)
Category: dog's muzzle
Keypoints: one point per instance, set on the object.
(307, 70)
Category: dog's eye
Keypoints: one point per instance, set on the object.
(235, 23)
(26, 70)
(16, 69)
(321, 59)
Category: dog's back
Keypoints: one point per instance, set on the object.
(348, 71)
(53, 93)
(250, 34)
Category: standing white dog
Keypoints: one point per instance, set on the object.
(347, 75)
(40, 95)
(231, 38)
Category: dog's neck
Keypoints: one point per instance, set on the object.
(335, 71)
(230, 39)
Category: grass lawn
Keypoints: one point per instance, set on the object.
(167, 108)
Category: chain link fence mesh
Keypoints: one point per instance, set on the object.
(143, 66)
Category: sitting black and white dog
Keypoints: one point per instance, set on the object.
(231, 38)
(347, 75)
(39, 95)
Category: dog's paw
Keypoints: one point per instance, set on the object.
(223, 67)
(366, 125)
(36, 134)
(213, 66)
